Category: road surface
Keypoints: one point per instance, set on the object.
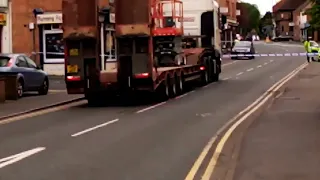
(134, 143)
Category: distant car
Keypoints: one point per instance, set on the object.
(243, 48)
(30, 76)
(283, 38)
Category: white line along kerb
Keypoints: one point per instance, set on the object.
(256, 105)
(94, 128)
(18, 157)
(205, 151)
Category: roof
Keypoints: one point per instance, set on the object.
(287, 5)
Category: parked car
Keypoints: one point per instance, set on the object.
(30, 76)
(245, 48)
(283, 38)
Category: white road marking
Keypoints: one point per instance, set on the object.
(251, 69)
(151, 107)
(239, 73)
(181, 96)
(271, 60)
(244, 115)
(225, 78)
(18, 157)
(227, 64)
(265, 63)
(259, 66)
(94, 128)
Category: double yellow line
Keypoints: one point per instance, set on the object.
(230, 127)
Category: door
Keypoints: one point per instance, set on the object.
(21, 67)
(37, 77)
(53, 48)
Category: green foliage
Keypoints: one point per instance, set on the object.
(252, 14)
(266, 20)
(314, 12)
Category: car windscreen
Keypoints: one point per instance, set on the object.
(243, 44)
(4, 61)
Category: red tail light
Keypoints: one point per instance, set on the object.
(142, 75)
(202, 68)
(73, 78)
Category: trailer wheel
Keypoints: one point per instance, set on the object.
(180, 84)
(205, 79)
(174, 87)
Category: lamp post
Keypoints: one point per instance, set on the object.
(35, 12)
(103, 18)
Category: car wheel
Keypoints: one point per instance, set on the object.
(44, 87)
(20, 88)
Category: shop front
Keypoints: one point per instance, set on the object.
(51, 44)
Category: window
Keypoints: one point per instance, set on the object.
(291, 29)
(21, 62)
(110, 46)
(31, 63)
(54, 46)
(282, 28)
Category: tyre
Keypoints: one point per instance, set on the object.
(180, 84)
(20, 88)
(44, 87)
(173, 87)
(205, 77)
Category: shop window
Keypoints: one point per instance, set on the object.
(110, 46)
(54, 46)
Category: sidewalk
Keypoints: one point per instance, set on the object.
(31, 101)
(284, 142)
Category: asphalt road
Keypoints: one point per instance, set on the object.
(159, 143)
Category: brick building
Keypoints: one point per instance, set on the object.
(302, 29)
(229, 9)
(36, 27)
(283, 13)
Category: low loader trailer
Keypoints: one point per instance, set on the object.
(137, 46)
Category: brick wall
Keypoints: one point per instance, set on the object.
(22, 15)
(22, 39)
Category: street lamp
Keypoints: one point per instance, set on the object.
(103, 18)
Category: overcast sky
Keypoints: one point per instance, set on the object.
(264, 5)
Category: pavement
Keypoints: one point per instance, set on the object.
(140, 142)
(57, 93)
(283, 143)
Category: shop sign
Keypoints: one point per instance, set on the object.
(49, 18)
(3, 19)
(4, 3)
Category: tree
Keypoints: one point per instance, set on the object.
(314, 12)
(250, 18)
(266, 24)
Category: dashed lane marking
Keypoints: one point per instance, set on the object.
(251, 69)
(260, 66)
(151, 107)
(240, 73)
(94, 128)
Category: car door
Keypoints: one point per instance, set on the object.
(36, 75)
(21, 67)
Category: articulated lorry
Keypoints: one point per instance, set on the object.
(139, 45)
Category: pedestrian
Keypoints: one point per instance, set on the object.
(307, 47)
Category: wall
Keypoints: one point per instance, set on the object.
(232, 7)
(22, 39)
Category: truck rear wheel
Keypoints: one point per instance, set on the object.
(180, 84)
(205, 77)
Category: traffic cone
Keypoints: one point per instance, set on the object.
(268, 39)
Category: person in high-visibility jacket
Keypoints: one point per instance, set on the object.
(307, 47)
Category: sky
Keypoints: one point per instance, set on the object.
(263, 5)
